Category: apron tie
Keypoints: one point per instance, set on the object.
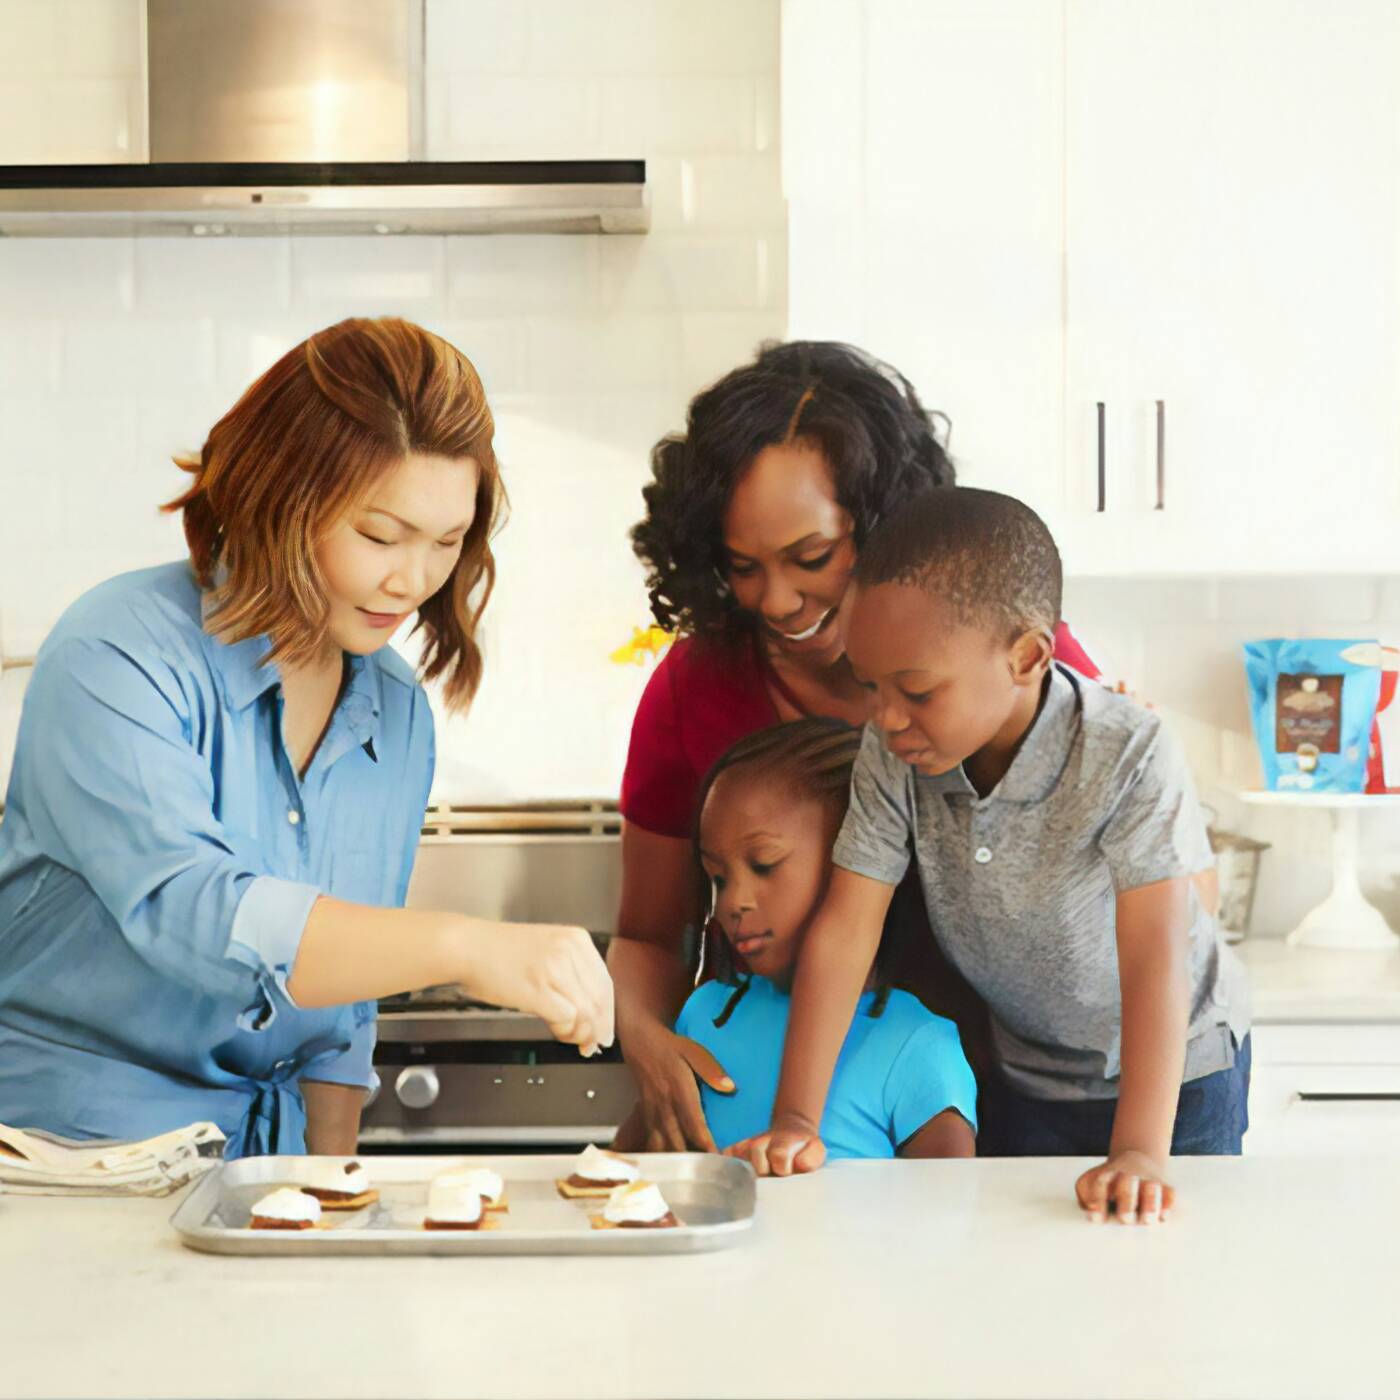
(276, 1118)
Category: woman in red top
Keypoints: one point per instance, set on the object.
(754, 518)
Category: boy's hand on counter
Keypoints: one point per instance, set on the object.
(790, 1145)
(1130, 1185)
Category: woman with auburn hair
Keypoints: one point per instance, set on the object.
(222, 771)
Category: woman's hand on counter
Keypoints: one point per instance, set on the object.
(668, 1116)
(547, 970)
(791, 1145)
(1131, 1184)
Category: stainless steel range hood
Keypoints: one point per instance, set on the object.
(304, 116)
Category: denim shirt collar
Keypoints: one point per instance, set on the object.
(245, 675)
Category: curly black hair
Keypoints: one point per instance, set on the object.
(863, 413)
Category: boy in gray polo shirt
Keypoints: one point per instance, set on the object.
(1056, 832)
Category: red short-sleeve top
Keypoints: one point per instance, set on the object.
(703, 698)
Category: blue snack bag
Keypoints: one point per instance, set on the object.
(1312, 702)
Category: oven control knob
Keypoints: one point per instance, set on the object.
(417, 1086)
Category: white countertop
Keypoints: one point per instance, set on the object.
(942, 1278)
(1320, 984)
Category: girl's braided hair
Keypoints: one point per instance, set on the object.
(813, 757)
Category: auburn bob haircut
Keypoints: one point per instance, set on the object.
(301, 447)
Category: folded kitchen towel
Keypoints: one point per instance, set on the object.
(43, 1164)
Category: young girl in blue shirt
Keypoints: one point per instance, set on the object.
(769, 812)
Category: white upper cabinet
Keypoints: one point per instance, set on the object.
(1232, 246)
(923, 154)
(1187, 213)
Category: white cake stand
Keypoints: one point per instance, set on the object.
(1346, 918)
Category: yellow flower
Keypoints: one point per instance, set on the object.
(646, 642)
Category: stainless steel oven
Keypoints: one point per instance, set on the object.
(454, 1073)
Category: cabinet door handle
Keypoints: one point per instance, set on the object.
(1339, 1096)
(1103, 461)
(1161, 454)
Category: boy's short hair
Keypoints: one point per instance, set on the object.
(988, 556)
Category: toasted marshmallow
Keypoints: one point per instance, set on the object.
(641, 1202)
(287, 1203)
(452, 1203)
(593, 1165)
(351, 1179)
(486, 1183)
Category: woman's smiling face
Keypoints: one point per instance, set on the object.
(789, 552)
(765, 853)
(396, 548)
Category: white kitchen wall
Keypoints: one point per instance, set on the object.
(116, 353)
(1176, 643)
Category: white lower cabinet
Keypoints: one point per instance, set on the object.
(1324, 1090)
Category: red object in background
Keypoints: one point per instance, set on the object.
(1375, 760)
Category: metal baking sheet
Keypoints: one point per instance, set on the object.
(712, 1196)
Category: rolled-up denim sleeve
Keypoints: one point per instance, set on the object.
(115, 790)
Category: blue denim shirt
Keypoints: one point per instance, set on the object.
(159, 855)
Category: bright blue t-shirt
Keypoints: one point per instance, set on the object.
(895, 1071)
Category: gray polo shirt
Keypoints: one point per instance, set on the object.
(1021, 885)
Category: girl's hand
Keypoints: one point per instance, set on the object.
(546, 970)
(1131, 1184)
(790, 1145)
(668, 1116)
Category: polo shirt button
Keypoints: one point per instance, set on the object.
(293, 816)
(983, 855)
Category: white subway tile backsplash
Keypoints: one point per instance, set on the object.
(29, 38)
(383, 276)
(653, 36)
(521, 119)
(66, 276)
(31, 359)
(21, 121)
(171, 425)
(496, 346)
(713, 343)
(94, 120)
(1388, 604)
(1315, 599)
(101, 38)
(514, 273)
(1140, 600)
(767, 115)
(475, 37)
(716, 193)
(718, 273)
(34, 508)
(246, 347)
(679, 115)
(197, 276)
(572, 354)
(146, 356)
